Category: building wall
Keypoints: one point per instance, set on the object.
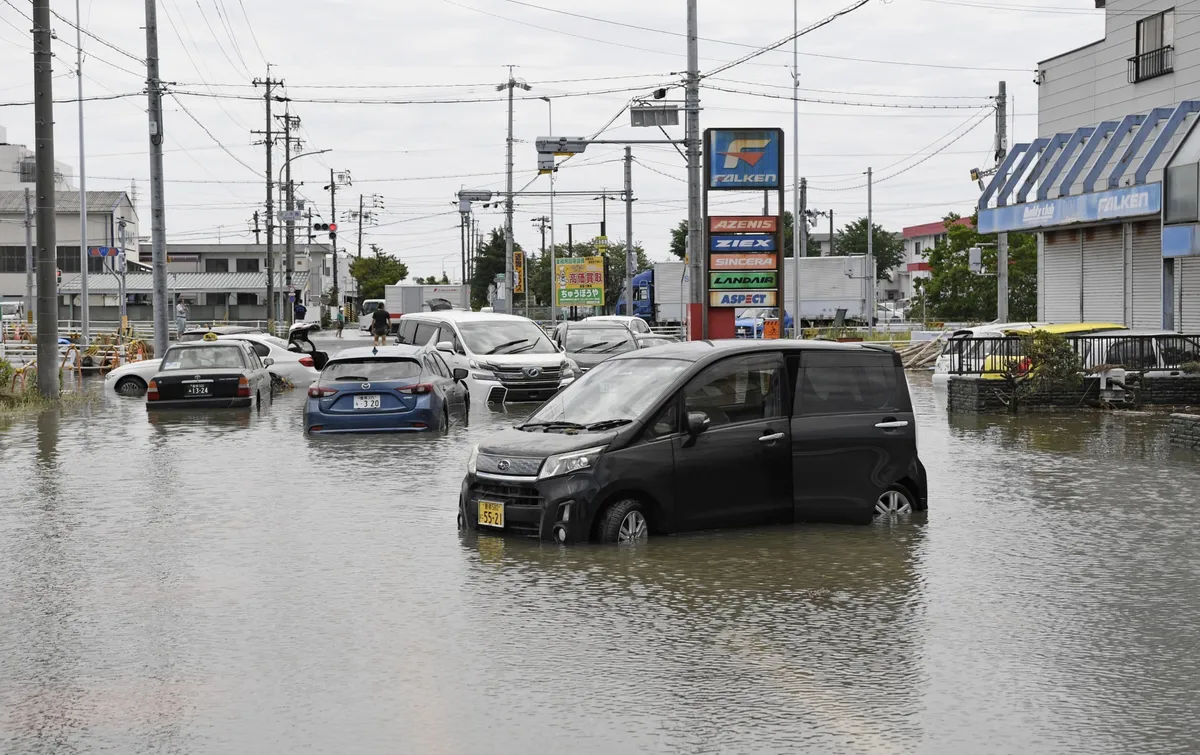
(1090, 85)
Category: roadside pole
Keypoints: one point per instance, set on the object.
(85, 310)
(290, 255)
(697, 253)
(800, 247)
(158, 220)
(1002, 237)
(47, 290)
(630, 258)
(29, 303)
(870, 273)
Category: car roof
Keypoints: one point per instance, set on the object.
(1068, 328)
(462, 315)
(696, 351)
(401, 351)
(236, 343)
(225, 329)
(611, 318)
(596, 325)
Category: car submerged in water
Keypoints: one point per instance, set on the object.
(210, 374)
(704, 435)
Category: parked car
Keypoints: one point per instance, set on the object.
(1155, 353)
(508, 358)
(636, 325)
(996, 366)
(961, 348)
(289, 361)
(702, 435)
(590, 342)
(400, 389)
(651, 340)
(198, 334)
(749, 322)
(210, 374)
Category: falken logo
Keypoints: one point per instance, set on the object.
(1122, 204)
(743, 244)
(1037, 213)
(737, 152)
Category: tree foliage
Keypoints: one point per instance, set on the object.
(489, 262)
(1045, 363)
(540, 274)
(888, 247)
(433, 280)
(953, 292)
(373, 273)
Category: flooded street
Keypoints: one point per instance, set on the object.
(217, 583)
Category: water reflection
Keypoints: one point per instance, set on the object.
(219, 582)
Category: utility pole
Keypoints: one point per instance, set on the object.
(508, 193)
(831, 237)
(270, 145)
(870, 274)
(257, 229)
(29, 303)
(698, 255)
(158, 218)
(799, 251)
(360, 224)
(1002, 237)
(629, 256)
(336, 293)
(47, 293)
(85, 316)
(290, 122)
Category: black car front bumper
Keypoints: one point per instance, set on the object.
(558, 509)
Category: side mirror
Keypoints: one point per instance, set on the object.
(459, 374)
(267, 361)
(697, 422)
(445, 346)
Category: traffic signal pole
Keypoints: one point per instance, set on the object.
(335, 294)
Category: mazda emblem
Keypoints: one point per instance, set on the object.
(366, 386)
(503, 465)
(533, 372)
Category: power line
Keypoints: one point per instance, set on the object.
(253, 36)
(895, 105)
(210, 135)
(789, 88)
(438, 101)
(101, 40)
(94, 98)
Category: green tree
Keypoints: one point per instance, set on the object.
(888, 247)
(489, 262)
(373, 273)
(679, 239)
(953, 292)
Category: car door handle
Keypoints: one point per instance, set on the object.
(892, 424)
(771, 438)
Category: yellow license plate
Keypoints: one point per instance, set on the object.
(491, 514)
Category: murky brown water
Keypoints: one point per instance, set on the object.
(220, 583)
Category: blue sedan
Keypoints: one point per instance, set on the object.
(398, 389)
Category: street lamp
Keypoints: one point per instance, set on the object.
(553, 255)
(291, 228)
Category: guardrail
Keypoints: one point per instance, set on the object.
(1137, 353)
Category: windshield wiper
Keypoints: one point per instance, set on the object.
(557, 425)
(523, 349)
(616, 345)
(608, 424)
(590, 346)
(506, 345)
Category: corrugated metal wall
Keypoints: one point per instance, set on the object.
(1104, 274)
(1187, 299)
(1063, 267)
(1146, 279)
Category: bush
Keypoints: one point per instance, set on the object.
(1049, 363)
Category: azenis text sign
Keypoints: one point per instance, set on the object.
(743, 224)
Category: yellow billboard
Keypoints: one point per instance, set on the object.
(579, 281)
(519, 272)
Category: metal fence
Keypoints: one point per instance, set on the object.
(1140, 353)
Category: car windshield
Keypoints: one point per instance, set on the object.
(370, 306)
(371, 369)
(599, 341)
(10, 308)
(760, 313)
(203, 357)
(487, 337)
(618, 389)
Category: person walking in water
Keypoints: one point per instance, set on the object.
(381, 325)
(181, 315)
(341, 321)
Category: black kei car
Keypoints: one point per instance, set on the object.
(210, 374)
(704, 435)
(589, 343)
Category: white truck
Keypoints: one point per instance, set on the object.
(827, 284)
(405, 298)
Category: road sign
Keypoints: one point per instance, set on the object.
(746, 243)
(743, 224)
(732, 262)
(560, 145)
(475, 196)
(579, 281)
(744, 158)
(518, 272)
(741, 298)
(601, 243)
(103, 251)
(649, 116)
(736, 280)
(294, 216)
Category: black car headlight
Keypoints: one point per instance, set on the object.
(575, 461)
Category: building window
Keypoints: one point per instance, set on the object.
(12, 259)
(250, 300)
(216, 265)
(1155, 55)
(247, 265)
(69, 262)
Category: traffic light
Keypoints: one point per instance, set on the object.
(330, 227)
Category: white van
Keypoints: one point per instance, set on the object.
(364, 317)
(508, 358)
(973, 353)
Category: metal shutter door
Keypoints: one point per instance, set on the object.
(1187, 303)
(1063, 270)
(1147, 275)
(1104, 274)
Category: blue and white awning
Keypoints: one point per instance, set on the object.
(1084, 176)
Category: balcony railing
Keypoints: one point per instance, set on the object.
(996, 357)
(1151, 64)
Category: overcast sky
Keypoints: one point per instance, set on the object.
(948, 54)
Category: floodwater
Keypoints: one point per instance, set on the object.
(219, 583)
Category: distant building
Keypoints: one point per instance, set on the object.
(18, 168)
(918, 240)
(112, 222)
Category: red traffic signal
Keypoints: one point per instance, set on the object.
(331, 227)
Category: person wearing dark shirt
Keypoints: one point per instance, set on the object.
(381, 324)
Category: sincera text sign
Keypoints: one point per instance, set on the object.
(766, 279)
(579, 281)
(742, 261)
(741, 298)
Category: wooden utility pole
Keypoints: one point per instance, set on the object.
(47, 288)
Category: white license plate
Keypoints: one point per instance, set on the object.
(197, 390)
(367, 402)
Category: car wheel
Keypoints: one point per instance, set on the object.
(624, 522)
(445, 423)
(130, 386)
(895, 502)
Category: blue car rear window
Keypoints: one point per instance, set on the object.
(371, 369)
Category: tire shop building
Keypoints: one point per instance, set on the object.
(1114, 166)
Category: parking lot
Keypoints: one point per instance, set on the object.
(219, 582)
